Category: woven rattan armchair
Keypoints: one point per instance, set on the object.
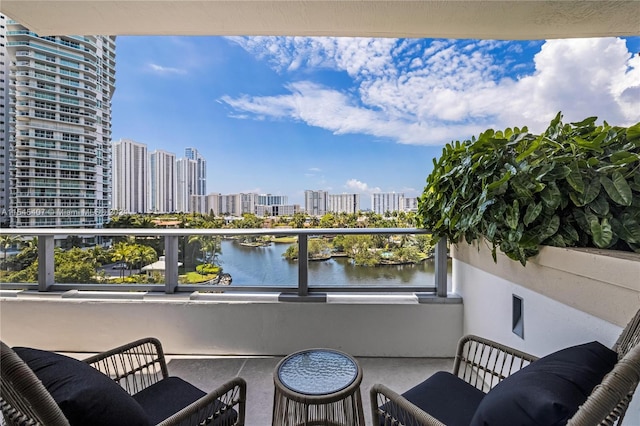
(483, 364)
(138, 367)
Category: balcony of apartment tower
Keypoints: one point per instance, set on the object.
(400, 334)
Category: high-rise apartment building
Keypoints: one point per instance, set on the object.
(59, 137)
(410, 204)
(4, 125)
(315, 202)
(384, 202)
(130, 176)
(201, 170)
(271, 200)
(186, 183)
(198, 204)
(343, 203)
(276, 210)
(214, 203)
(248, 203)
(162, 182)
(230, 205)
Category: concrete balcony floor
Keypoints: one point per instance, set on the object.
(400, 374)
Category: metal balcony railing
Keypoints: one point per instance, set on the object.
(303, 289)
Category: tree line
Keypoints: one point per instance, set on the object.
(79, 262)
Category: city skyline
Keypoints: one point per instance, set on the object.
(142, 178)
(283, 115)
(127, 163)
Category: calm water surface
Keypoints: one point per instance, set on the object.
(266, 266)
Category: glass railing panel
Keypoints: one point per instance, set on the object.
(220, 260)
(19, 262)
(243, 261)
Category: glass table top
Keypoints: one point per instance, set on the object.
(317, 371)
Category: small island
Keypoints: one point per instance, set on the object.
(368, 250)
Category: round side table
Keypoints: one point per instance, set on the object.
(317, 387)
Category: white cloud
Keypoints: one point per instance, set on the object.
(315, 169)
(357, 56)
(159, 69)
(356, 185)
(432, 92)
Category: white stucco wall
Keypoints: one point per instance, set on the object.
(565, 293)
(396, 326)
(548, 324)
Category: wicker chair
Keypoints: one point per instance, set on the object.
(483, 364)
(135, 367)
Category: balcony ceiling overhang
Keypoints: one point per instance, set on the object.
(362, 18)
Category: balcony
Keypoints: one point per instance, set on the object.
(400, 335)
(568, 295)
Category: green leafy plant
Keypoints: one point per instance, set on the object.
(575, 185)
(207, 269)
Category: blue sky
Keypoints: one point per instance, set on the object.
(284, 114)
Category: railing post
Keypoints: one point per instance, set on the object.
(441, 267)
(303, 265)
(46, 262)
(170, 263)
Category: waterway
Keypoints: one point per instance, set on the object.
(266, 266)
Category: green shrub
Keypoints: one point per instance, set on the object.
(575, 185)
(207, 269)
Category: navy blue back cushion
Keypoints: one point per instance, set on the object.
(446, 397)
(84, 394)
(549, 391)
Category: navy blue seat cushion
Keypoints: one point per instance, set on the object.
(166, 397)
(446, 397)
(84, 394)
(549, 391)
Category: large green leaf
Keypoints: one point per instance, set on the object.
(600, 206)
(491, 230)
(617, 188)
(551, 196)
(582, 221)
(532, 213)
(633, 132)
(513, 215)
(591, 192)
(602, 233)
(560, 171)
(570, 233)
(627, 229)
(589, 121)
(591, 145)
(624, 158)
(575, 179)
(549, 228)
(530, 150)
(556, 240)
(544, 170)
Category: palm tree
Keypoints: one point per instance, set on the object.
(209, 245)
(147, 255)
(141, 255)
(144, 222)
(28, 253)
(121, 253)
(6, 242)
